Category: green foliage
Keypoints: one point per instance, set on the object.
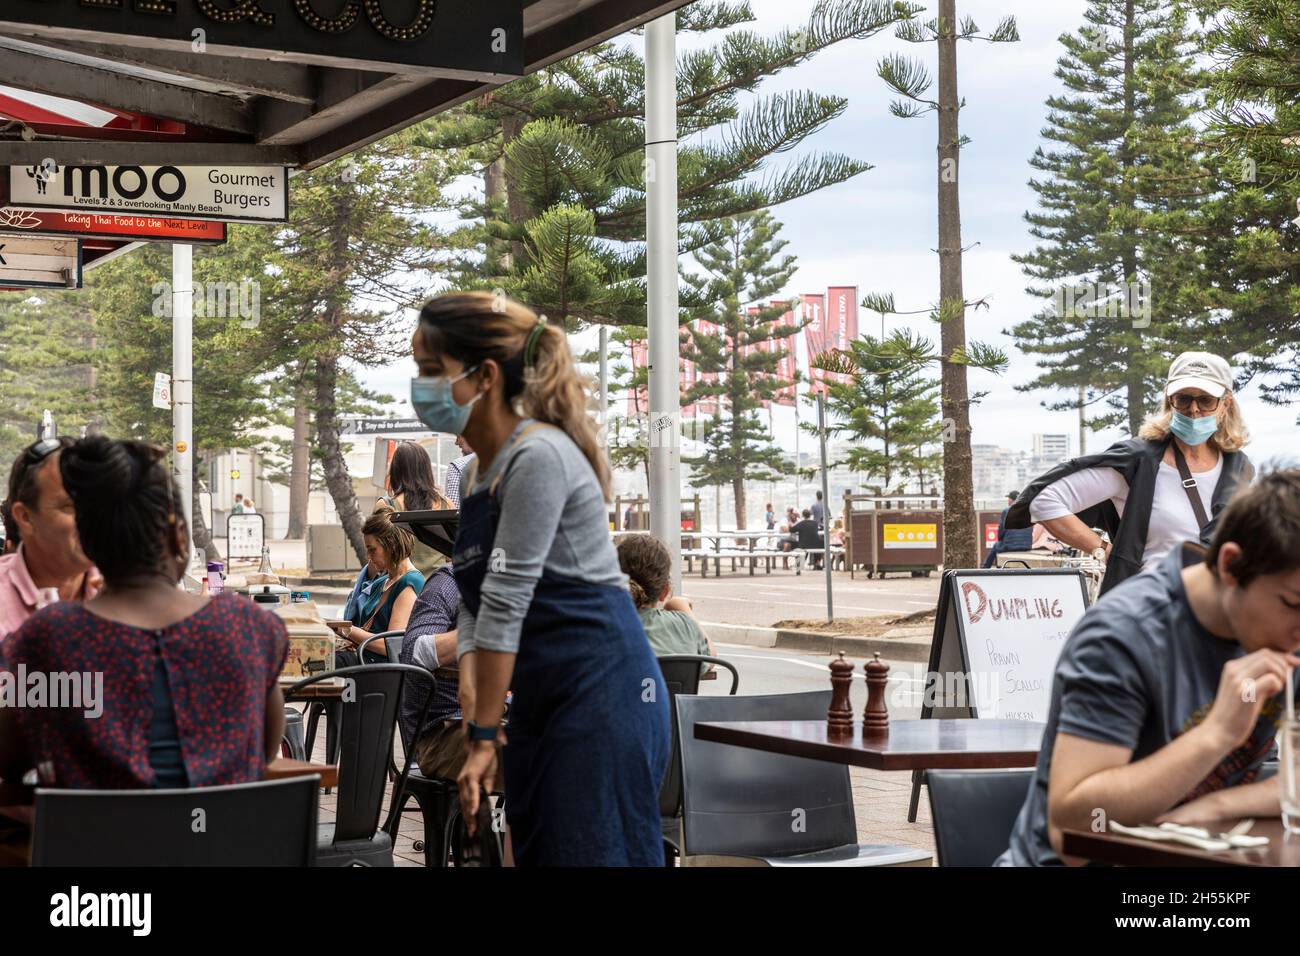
(1122, 202)
(1251, 244)
(747, 268)
(889, 407)
(46, 341)
(569, 236)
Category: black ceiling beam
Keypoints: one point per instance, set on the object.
(82, 152)
(548, 45)
(293, 82)
(121, 91)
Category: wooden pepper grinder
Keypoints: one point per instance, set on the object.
(839, 718)
(875, 719)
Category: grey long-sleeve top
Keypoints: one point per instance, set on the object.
(553, 517)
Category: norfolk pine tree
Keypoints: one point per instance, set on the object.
(745, 269)
(1122, 194)
(909, 79)
(890, 409)
(566, 148)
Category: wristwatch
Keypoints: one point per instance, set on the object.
(481, 733)
(1099, 554)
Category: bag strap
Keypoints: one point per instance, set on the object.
(382, 601)
(1189, 485)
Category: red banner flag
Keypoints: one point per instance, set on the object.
(841, 316)
(788, 364)
(813, 311)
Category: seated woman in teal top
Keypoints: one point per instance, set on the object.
(388, 548)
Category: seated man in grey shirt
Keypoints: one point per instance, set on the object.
(1168, 694)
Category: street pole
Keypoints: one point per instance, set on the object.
(661, 260)
(183, 380)
(1083, 432)
(826, 498)
(604, 375)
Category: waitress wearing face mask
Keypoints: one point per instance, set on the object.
(1152, 492)
(545, 611)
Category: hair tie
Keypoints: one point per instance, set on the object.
(531, 346)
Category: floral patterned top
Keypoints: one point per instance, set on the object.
(89, 725)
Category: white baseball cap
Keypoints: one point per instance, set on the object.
(1202, 370)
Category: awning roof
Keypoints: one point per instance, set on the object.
(140, 106)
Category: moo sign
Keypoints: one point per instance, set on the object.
(470, 39)
(228, 193)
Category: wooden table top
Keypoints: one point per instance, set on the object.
(908, 744)
(317, 691)
(1283, 848)
(282, 767)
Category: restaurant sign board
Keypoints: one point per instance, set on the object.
(226, 193)
(39, 262)
(104, 225)
(467, 39)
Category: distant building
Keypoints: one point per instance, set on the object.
(1052, 449)
(995, 470)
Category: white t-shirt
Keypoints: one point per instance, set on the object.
(1172, 518)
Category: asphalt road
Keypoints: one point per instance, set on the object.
(763, 599)
(766, 670)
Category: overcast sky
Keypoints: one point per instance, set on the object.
(878, 231)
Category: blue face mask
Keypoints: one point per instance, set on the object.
(437, 407)
(1194, 431)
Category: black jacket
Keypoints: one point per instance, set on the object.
(1138, 460)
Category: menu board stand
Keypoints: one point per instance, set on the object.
(1033, 608)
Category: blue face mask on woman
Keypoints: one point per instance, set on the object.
(1194, 431)
(437, 407)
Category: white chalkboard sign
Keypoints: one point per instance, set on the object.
(246, 536)
(997, 635)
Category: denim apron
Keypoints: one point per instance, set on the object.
(589, 737)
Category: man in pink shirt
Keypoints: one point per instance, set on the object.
(49, 556)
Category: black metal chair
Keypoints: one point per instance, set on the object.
(392, 647)
(329, 709)
(368, 719)
(267, 823)
(438, 800)
(291, 743)
(974, 812)
(743, 807)
(682, 675)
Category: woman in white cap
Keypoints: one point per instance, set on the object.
(1152, 492)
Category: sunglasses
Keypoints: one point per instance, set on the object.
(38, 452)
(1184, 403)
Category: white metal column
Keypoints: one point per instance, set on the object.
(661, 254)
(604, 376)
(183, 377)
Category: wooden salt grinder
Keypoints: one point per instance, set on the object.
(875, 719)
(839, 718)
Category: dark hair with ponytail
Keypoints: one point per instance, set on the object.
(474, 326)
(410, 474)
(125, 503)
(648, 566)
